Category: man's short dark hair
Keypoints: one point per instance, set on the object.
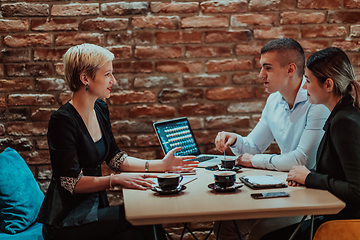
(289, 51)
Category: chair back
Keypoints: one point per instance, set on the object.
(339, 230)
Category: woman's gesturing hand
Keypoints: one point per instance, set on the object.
(177, 163)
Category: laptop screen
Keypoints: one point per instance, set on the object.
(177, 133)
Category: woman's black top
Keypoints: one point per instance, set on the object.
(338, 159)
(74, 154)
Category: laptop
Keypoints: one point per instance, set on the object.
(177, 133)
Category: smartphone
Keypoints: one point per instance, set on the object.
(269, 195)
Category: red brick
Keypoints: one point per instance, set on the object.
(8, 85)
(205, 80)
(54, 25)
(41, 114)
(174, 7)
(47, 54)
(347, 45)
(75, 9)
(121, 52)
(30, 99)
(224, 6)
(42, 144)
(260, 93)
(313, 45)
(355, 31)
(343, 17)
(17, 114)
(156, 81)
(227, 36)
(180, 95)
(319, 4)
(223, 122)
(129, 37)
(2, 102)
(146, 140)
(301, 17)
(2, 70)
(17, 144)
(29, 69)
(50, 84)
(157, 52)
(246, 107)
(276, 32)
(64, 97)
(124, 8)
(323, 31)
(23, 9)
(178, 66)
(152, 111)
(13, 25)
(252, 48)
(105, 24)
(128, 126)
(15, 56)
(178, 37)
(65, 39)
(208, 51)
(196, 109)
(229, 93)
(352, 4)
(126, 97)
(122, 83)
(117, 112)
(205, 22)
(59, 69)
(132, 67)
(36, 157)
(228, 65)
(247, 78)
(261, 5)
(250, 19)
(27, 128)
(28, 40)
(157, 22)
(2, 129)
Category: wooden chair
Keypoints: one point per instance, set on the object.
(339, 229)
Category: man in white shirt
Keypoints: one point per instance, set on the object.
(288, 117)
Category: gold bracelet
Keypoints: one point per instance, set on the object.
(147, 166)
(111, 187)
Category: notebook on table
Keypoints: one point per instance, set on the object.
(177, 133)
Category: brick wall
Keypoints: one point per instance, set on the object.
(198, 59)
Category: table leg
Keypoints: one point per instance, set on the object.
(297, 228)
(187, 228)
(155, 235)
(312, 227)
(219, 231)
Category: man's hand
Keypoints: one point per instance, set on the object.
(245, 160)
(224, 140)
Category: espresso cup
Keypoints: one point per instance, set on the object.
(224, 179)
(169, 181)
(228, 163)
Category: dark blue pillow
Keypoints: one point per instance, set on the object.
(20, 194)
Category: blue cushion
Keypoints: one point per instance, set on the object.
(34, 232)
(20, 194)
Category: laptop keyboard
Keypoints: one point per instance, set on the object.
(203, 158)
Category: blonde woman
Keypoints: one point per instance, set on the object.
(80, 140)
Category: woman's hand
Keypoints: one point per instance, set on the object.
(297, 176)
(177, 163)
(224, 139)
(135, 181)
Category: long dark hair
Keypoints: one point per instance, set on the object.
(333, 63)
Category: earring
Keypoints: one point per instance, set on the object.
(87, 87)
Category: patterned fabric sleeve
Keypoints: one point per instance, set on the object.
(116, 161)
(69, 183)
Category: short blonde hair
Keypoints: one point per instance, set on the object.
(84, 59)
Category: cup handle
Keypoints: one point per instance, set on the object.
(181, 178)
